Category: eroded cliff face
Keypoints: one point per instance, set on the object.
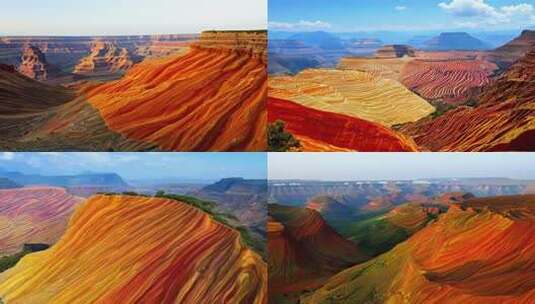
(252, 43)
(140, 250)
(33, 64)
(105, 57)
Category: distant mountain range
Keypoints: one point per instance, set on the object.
(93, 179)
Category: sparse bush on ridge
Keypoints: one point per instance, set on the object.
(279, 140)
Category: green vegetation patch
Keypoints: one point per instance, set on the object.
(279, 140)
(9, 261)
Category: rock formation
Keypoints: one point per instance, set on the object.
(105, 57)
(33, 64)
(454, 41)
(395, 51)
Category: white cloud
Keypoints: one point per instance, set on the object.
(481, 13)
(7, 155)
(302, 25)
(400, 8)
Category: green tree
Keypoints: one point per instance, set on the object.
(279, 140)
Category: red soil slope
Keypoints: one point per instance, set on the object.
(450, 81)
(33, 215)
(212, 98)
(483, 252)
(324, 131)
(303, 250)
(140, 250)
(503, 120)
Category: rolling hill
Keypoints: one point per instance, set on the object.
(478, 252)
(354, 93)
(139, 249)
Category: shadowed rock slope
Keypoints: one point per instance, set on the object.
(139, 250)
(481, 251)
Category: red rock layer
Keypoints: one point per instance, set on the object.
(451, 81)
(331, 132)
(140, 250)
(503, 120)
(33, 215)
(206, 100)
(514, 50)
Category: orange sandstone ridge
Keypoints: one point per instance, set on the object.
(139, 250)
(33, 215)
(33, 64)
(210, 99)
(325, 131)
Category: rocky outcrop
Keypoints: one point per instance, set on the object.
(395, 51)
(105, 57)
(33, 64)
(253, 43)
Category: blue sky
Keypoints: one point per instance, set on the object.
(191, 166)
(381, 166)
(117, 17)
(400, 15)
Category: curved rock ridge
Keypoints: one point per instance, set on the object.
(389, 68)
(503, 120)
(206, 100)
(395, 51)
(33, 215)
(33, 64)
(253, 43)
(451, 81)
(355, 93)
(304, 250)
(472, 254)
(140, 250)
(325, 131)
(105, 57)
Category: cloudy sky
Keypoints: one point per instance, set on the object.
(392, 166)
(142, 166)
(359, 15)
(118, 17)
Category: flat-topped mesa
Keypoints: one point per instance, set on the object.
(105, 57)
(248, 42)
(33, 63)
(395, 51)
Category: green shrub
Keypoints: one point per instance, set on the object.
(279, 140)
